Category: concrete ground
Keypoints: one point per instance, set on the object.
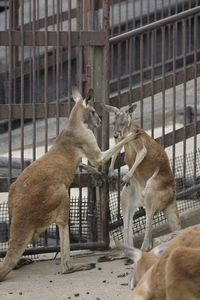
(42, 280)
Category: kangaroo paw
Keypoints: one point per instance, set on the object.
(79, 267)
(23, 262)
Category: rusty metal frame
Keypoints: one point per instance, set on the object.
(74, 43)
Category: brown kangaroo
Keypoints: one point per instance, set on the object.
(170, 271)
(39, 196)
(151, 181)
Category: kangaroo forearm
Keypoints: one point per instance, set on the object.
(112, 164)
(139, 158)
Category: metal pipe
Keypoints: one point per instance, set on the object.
(52, 249)
(154, 25)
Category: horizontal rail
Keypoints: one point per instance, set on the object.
(82, 38)
(187, 132)
(154, 25)
(52, 110)
(81, 180)
(52, 249)
(188, 192)
(158, 83)
(50, 20)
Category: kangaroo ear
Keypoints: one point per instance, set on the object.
(76, 94)
(133, 253)
(90, 95)
(159, 249)
(110, 109)
(131, 108)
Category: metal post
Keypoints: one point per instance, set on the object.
(100, 83)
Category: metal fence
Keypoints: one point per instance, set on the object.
(144, 51)
(156, 65)
(165, 81)
(45, 48)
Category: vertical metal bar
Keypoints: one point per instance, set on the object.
(14, 14)
(176, 7)
(80, 205)
(141, 12)
(30, 55)
(61, 48)
(54, 54)
(148, 34)
(152, 80)
(119, 73)
(57, 66)
(22, 85)
(163, 83)
(7, 28)
(195, 93)
(189, 24)
(80, 48)
(134, 13)
(155, 11)
(34, 81)
(69, 56)
(134, 40)
(127, 42)
(162, 14)
(169, 33)
(130, 65)
(105, 124)
(10, 98)
(184, 98)
(174, 95)
(38, 56)
(119, 56)
(119, 16)
(45, 89)
(46, 75)
(141, 78)
(112, 46)
(169, 8)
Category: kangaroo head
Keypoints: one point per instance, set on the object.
(122, 119)
(142, 261)
(86, 108)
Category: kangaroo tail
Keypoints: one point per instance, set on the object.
(15, 250)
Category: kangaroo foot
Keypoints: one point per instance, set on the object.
(23, 262)
(128, 262)
(111, 257)
(79, 267)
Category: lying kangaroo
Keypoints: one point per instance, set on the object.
(170, 272)
(151, 181)
(39, 196)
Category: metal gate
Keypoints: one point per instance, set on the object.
(45, 48)
(155, 62)
(144, 51)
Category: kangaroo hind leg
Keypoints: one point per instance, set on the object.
(16, 248)
(62, 221)
(171, 213)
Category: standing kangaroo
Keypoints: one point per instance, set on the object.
(39, 196)
(149, 182)
(169, 271)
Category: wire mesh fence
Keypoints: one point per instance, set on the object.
(85, 228)
(184, 204)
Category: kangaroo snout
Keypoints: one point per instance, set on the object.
(137, 131)
(116, 135)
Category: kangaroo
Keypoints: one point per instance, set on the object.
(149, 182)
(39, 196)
(170, 271)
